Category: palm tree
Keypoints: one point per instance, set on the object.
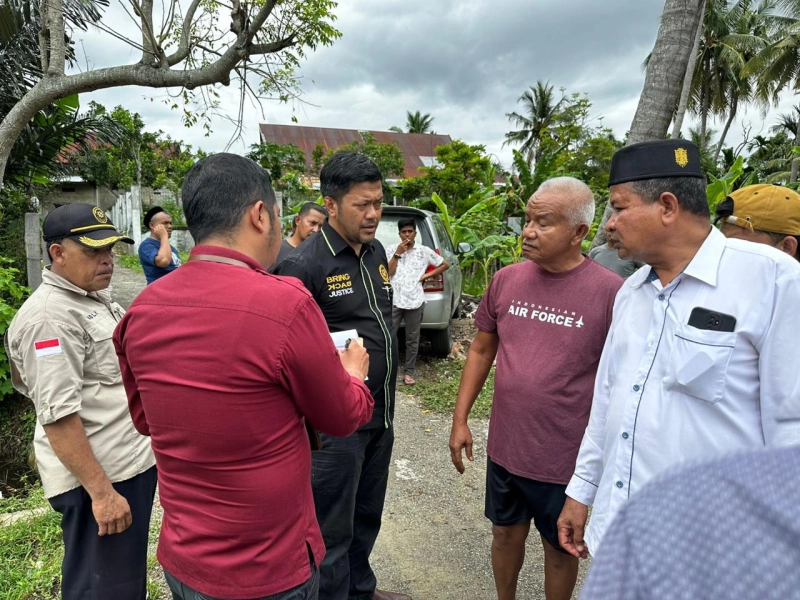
(539, 110)
(777, 66)
(731, 34)
(749, 28)
(791, 124)
(665, 70)
(686, 87)
(418, 123)
(415, 123)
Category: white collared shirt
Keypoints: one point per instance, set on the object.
(408, 292)
(667, 392)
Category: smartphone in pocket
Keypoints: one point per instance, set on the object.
(710, 320)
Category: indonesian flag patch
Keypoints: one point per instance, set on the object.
(47, 347)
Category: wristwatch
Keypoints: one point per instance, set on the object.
(396, 256)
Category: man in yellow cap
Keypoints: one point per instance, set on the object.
(762, 213)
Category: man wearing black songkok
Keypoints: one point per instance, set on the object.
(695, 364)
(157, 255)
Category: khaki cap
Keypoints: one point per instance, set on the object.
(763, 207)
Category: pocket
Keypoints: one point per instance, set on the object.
(101, 330)
(699, 362)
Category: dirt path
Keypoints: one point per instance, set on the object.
(435, 541)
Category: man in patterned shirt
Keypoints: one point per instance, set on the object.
(408, 263)
(723, 529)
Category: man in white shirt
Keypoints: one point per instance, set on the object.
(408, 268)
(695, 364)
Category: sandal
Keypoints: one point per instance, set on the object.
(408, 380)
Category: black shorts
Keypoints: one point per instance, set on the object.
(512, 500)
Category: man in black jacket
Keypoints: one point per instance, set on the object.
(344, 267)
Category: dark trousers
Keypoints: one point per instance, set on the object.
(109, 567)
(412, 320)
(305, 591)
(349, 477)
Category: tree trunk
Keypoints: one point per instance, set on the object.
(705, 102)
(686, 89)
(731, 117)
(796, 159)
(662, 84)
(55, 84)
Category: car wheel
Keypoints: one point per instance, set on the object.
(442, 341)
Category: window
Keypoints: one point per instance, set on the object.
(441, 233)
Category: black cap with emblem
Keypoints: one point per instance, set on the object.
(85, 224)
(654, 160)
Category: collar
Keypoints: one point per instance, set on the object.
(228, 253)
(336, 243)
(50, 278)
(703, 266)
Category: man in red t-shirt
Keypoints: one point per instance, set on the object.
(545, 320)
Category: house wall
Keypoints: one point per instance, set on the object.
(75, 192)
(182, 240)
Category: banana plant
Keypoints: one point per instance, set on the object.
(719, 188)
(489, 200)
(505, 249)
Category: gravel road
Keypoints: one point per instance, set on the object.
(435, 541)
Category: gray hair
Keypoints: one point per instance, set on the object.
(690, 192)
(580, 209)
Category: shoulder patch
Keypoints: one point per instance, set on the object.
(47, 347)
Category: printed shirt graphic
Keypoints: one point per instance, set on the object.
(408, 292)
(551, 329)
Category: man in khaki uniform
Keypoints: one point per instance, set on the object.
(96, 470)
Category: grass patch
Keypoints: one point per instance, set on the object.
(33, 497)
(130, 261)
(31, 551)
(437, 387)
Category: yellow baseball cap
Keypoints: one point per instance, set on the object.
(762, 207)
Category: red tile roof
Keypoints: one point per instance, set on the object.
(413, 145)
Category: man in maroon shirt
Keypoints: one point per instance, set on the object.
(545, 320)
(223, 364)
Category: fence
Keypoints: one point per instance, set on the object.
(126, 214)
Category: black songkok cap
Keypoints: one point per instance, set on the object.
(654, 160)
(148, 216)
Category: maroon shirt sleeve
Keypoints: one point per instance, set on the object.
(129, 381)
(332, 401)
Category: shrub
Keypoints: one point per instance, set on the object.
(12, 295)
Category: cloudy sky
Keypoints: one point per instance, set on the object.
(464, 62)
